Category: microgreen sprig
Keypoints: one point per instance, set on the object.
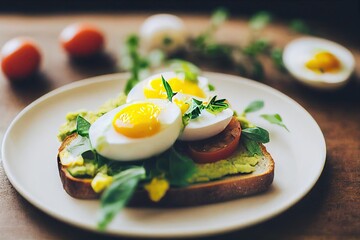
(169, 92)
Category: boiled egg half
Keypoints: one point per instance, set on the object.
(319, 63)
(206, 125)
(136, 130)
(163, 31)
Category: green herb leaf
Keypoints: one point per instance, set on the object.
(299, 26)
(258, 70)
(211, 87)
(274, 119)
(257, 134)
(260, 20)
(256, 47)
(135, 63)
(252, 146)
(82, 126)
(118, 194)
(169, 91)
(190, 70)
(254, 106)
(216, 106)
(194, 109)
(276, 56)
(79, 146)
(219, 16)
(176, 167)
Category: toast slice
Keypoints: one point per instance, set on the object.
(225, 189)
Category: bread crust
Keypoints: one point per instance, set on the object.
(228, 188)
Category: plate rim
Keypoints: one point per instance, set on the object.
(199, 233)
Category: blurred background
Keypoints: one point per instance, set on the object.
(342, 14)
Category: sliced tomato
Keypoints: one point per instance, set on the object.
(217, 147)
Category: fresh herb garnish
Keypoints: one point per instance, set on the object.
(133, 62)
(216, 106)
(219, 16)
(260, 20)
(176, 167)
(276, 56)
(211, 87)
(299, 26)
(257, 134)
(254, 106)
(193, 111)
(256, 47)
(274, 119)
(169, 92)
(82, 126)
(252, 146)
(115, 197)
(190, 71)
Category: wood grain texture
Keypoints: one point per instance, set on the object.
(330, 211)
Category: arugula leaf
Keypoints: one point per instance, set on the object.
(257, 134)
(169, 91)
(216, 106)
(176, 167)
(82, 126)
(79, 146)
(260, 20)
(252, 146)
(181, 168)
(115, 197)
(254, 106)
(274, 119)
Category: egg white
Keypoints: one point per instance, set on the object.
(160, 26)
(206, 125)
(137, 92)
(299, 51)
(113, 145)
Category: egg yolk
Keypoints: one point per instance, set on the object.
(138, 120)
(324, 62)
(157, 89)
(184, 106)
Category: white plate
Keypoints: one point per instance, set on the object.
(30, 148)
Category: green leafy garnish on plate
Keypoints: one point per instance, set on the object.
(274, 119)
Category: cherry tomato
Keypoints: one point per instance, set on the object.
(20, 58)
(217, 147)
(82, 40)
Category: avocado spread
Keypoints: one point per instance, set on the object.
(69, 126)
(239, 162)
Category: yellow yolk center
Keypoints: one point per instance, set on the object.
(138, 120)
(324, 62)
(157, 89)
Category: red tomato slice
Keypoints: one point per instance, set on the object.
(217, 147)
(20, 58)
(82, 40)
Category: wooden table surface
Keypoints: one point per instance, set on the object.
(330, 211)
